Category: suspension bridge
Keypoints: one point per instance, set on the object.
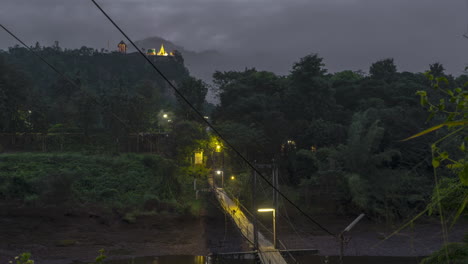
(266, 252)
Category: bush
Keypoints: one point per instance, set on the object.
(73, 179)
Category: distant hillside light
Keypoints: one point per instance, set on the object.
(151, 52)
(122, 47)
(162, 52)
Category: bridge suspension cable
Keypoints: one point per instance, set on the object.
(201, 116)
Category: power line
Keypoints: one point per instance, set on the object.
(94, 100)
(209, 124)
(61, 74)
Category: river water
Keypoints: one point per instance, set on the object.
(174, 259)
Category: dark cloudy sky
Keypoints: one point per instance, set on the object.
(349, 34)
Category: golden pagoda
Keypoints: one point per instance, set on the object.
(162, 52)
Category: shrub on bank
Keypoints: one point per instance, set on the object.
(126, 182)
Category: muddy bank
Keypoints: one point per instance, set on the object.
(64, 236)
(368, 238)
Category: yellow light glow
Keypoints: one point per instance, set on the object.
(233, 178)
(266, 210)
(162, 52)
(218, 148)
(165, 115)
(199, 157)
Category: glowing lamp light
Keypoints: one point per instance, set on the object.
(199, 157)
(266, 210)
(218, 148)
(165, 115)
(261, 210)
(233, 178)
(218, 172)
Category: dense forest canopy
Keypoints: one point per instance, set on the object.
(325, 129)
(110, 84)
(342, 130)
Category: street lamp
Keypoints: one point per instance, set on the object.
(262, 210)
(165, 116)
(220, 172)
(232, 177)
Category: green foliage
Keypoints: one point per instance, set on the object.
(194, 90)
(345, 127)
(14, 105)
(303, 164)
(383, 70)
(24, 258)
(100, 258)
(453, 253)
(308, 67)
(453, 110)
(72, 179)
(455, 196)
(118, 93)
(185, 138)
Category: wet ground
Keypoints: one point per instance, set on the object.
(370, 239)
(64, 236)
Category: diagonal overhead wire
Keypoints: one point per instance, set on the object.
(198, 113)
(61, 74)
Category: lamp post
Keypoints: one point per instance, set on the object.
(220, 172)
(261, 210)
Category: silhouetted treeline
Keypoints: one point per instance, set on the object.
(118, 93)
(337, 136)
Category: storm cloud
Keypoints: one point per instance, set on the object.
(269, 34)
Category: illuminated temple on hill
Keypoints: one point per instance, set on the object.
(162, 52)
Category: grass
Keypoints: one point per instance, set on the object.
(127, 182)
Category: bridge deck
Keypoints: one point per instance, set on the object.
(267, 254)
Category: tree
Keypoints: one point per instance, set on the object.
(309, 95)
(13, 94)
(436, 69)
(308, 67)
(194, 90)
(383, 70)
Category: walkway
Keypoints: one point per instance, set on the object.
(266, 252)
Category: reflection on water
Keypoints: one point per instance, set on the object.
(175, 259)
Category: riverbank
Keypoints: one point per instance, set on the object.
(64, 236)
(55, 237)
(368, 238)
